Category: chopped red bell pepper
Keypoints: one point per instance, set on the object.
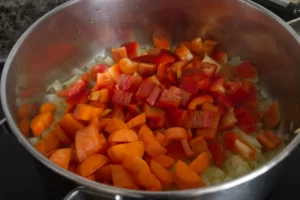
(185, 96)
(218, 153)
(164, 56)
(152, 112)
(99, 68)
(198, 119)
(159, 123)
(136, 82)
(204, 84)
(171, 77)
(227, 121)
(220, 56)
(122, 97)
(117, 112)
(134, 109)
(155, 94)
(210, 133)
(194, 74)
(246, 70)
(131, 49)
(80, 98)
(104, 80)
(115, 72)
(153, 79)
(168, 100)
(175, 117)
(229, 140)
(125, 82)
(145, 90)
(118, 53)
(239, 97)
(217, 86)
(222, 99)
(147, 69)
(199, 101)
(245, 121)
(161, 73)
(75, 88)
(189, 86)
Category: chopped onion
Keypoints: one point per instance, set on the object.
(108, 60)
(234, 61)
(251, 140)
(33, 140)
(53, 98)
(70, 81)
(77, 72)
(212, 61)
(56, 86)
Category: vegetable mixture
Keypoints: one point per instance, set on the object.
(162, 120)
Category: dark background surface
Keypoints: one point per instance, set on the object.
(22, 177)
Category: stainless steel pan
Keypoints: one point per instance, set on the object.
(79, 30)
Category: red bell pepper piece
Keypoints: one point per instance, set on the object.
(152, 112)
(145, 90)
(227, 121)
(99, 68)
(204, 84)
(161, 73)
(115, 72)
(104, 80)
(168, 100)
(117, 112)
(246, 70)
(155, 94)
(126, 81)
(223, 99)
(131, 49)
(220, 56)
(153, 79)
(75, 88)
(147, 69)
(175, 117)
(198, 119)
(80, 98)
(245, 121)
(118, 53)
(229, 140)
(210, 132)
(217, 86)
(159, 123)
(121, 97)
(189, 86)
(199, 101)
(171, 77)
(164, 56)
(218, 153)
(194, 74)
(209, 69)
(134, 109)
(185, 96)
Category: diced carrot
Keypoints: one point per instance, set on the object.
(86, 112)
(165, 161)
(103, 144)
(165, 177)
(91, 177)
(269, 140)
(50, 153)
(106, 112)
(115, 125)
(97, 104)
(271, 116)
(187, 149)
(87, 142)
(123, 135)
(141, 170)
(118, 53)
(74, 157)
(122, 178)
(201, 163)
(152, 146)
(70, 125)
(61, 157)
(117, 153)
(198, 144)
(137, 121)
(161, 38)
(185, 177)
(27, 110)
(47, 107)
(91, 164)
(245, 149)
(62, 135)
(40, 123)
(128, 67)
(174, 133)
(24, 127)
(104, 174)
(103, 122)
(159, 137)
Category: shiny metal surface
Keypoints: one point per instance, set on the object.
(79, 30)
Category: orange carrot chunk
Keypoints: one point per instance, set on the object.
(91, 177)
(269, 140)
(91, 164)
(137, 121)
(165, 177)
(122, 178)
(271, 116)
(175, 133)
(152, 146)
(114, 125)
(123, 135)
(47, 107)
(48, 143)
(117, 153)
(165, 161)
(24, 127)
(70, 125)
(104, 174)
(86, 112)
(201, 163)
(185, 177)
(87, 142)
(40, 123)
(62, 135)
(61, 157)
